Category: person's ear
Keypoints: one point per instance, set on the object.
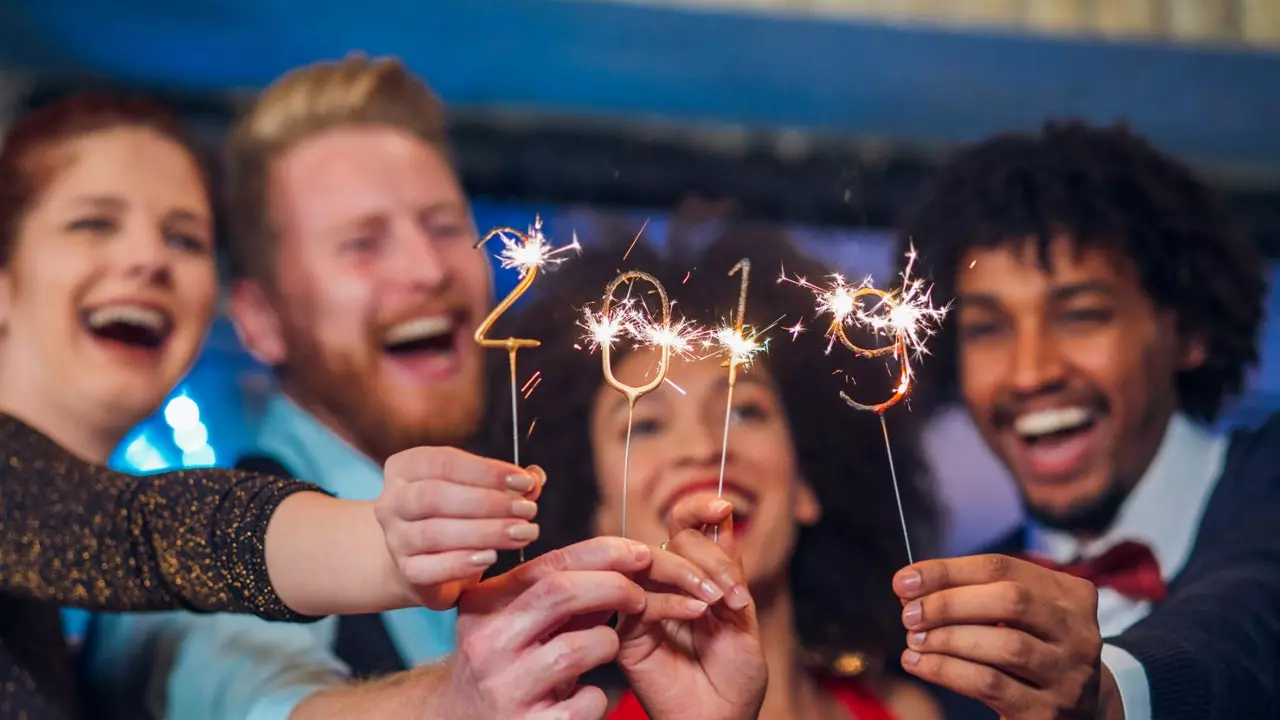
(6, 299)
(257, 323)
(1192, 353)
(808, 509)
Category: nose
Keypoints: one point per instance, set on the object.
(1037, 362)
(699, 443)
(145, 257)
(418, 262)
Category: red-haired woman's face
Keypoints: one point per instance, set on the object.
(676, 440)
(111, 283)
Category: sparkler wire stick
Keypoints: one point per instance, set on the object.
(633, 393)
(528, 256)
(744, 265)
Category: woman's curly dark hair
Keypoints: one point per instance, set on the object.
(1101, 187)
(841, 570)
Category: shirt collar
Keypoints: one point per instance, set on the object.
(1163, 510)
(315, 453)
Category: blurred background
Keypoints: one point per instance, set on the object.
(826, 116)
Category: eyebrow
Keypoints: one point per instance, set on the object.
(1059, 293)
(1068, 292)
(101, 202)
(186, 215)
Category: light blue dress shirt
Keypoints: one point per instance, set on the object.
(186, 666)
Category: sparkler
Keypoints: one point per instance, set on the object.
(907, 316)
(739, 348)
(527, 253)
(603, 330)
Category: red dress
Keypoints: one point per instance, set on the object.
(856, 698)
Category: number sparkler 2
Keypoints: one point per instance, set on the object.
(907, 316)
(527, 253)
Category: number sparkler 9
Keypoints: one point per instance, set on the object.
(907, 316)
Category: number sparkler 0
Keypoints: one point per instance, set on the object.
(906, 315)
(528, 253)
(603, 331)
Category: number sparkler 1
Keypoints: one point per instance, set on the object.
(603, 331)
(906, 315)
(738, 347)
(528, 253)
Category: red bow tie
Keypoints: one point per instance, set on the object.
(1128, 568)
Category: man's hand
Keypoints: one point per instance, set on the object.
(445, 514)
(711, 665)
(526, 636)
(1021, 639)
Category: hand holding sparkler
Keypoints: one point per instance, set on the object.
(528, 255)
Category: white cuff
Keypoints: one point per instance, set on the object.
(1131, 679)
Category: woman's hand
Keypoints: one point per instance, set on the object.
(710, 667)
(445, 513)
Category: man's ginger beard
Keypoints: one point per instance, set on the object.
(343, 389)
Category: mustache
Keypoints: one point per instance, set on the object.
(454, 306)
(1006, 410)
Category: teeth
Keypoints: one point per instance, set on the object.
(1044, 422)
(137, 315)
(418, 329)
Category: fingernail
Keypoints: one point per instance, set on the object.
(909, 580)
(523, 531)
(910, 658)
(720, 506)
(640, 552)
(916, 639)
(485, 558)
(524, 508)
(911, 613)
(710, 591)
(537, 470)
(520, 483)
(738, 598)
(695, 606)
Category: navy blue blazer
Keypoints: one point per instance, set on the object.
(1211, 650)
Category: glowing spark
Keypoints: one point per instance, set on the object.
(531, 426)
(677, 387)
(536, 383)
(528, 251)
(636, 239)
(531, 380)
(687, 273)
(795, 330)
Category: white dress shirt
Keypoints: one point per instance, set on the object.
(1163, 512)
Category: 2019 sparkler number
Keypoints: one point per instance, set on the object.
(898, 349)
(528, 253)
(633, 393)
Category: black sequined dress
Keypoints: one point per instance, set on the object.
(77, 534)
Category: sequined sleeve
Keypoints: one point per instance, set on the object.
(78, 534)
